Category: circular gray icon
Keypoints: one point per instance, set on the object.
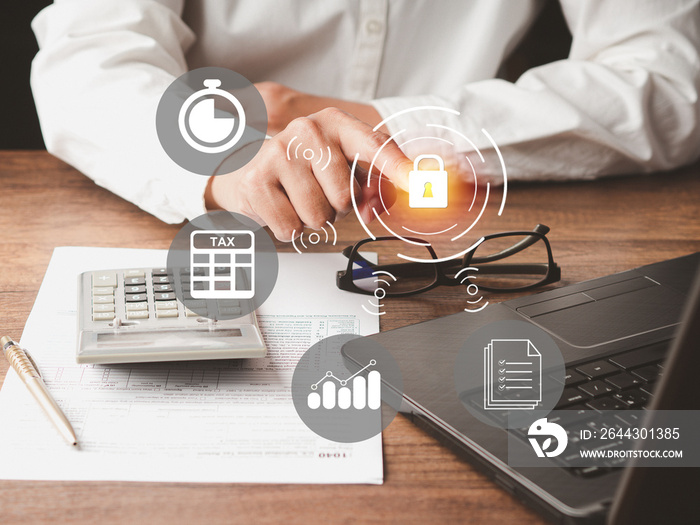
(221, 266)
(347, 388)
(211, 121)
(509, 373)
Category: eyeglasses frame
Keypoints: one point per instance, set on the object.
(344, 279)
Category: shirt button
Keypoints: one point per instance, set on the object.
(374, 26)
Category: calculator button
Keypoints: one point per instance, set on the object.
(104, 279)
(136, 297)
(134, 281)
(139, 314)
(162, 288)
(195, 303)
(200, 271)
(164, 296)
(134, 273)
(136, 307)
(103, 290)
(190, 313)
(135, 289)
(103, 299)
(102, 308)
(159, 272)
(166, 305)
(244, 281)
(231, 310)
(103, 316)
(166, 313)
(162, 279)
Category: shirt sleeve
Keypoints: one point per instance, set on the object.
(91, 55)
(626, 99)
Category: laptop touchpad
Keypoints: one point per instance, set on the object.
(601, 315)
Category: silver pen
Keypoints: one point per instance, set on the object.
(30, 376)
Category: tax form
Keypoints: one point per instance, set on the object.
(199, 421)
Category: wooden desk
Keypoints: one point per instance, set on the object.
(597, 228)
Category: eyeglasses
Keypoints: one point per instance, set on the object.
(530, 264)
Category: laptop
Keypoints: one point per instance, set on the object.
(619, 330)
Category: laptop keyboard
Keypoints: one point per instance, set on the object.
(618, 382)
(614, 383)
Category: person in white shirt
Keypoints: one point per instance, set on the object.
(626, 99)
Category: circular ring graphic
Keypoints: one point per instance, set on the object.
(347, 388)
(226, 264)
(430, 187)
(211, 121)
(509, 373)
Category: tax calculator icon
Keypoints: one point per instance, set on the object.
(222, 264)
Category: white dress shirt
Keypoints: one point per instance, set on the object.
(626, 99)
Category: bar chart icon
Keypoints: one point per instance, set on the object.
(357, 391)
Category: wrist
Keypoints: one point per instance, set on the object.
(210, 201)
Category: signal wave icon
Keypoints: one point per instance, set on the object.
(379, 292)
(309, 154)
(472, 289)
(314, 238)
(365, 392)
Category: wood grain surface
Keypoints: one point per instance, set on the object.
(598, 227)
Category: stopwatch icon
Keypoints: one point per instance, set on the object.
(202, 128)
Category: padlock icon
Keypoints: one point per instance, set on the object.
(427, 189)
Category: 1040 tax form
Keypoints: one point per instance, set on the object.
(199, 421)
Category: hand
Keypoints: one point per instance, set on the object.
(289, 195)
(284, 104)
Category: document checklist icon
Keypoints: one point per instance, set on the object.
(512, 375)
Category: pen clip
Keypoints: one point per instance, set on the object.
(31, 360)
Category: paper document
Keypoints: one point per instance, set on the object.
(197, 421)
(512, 375)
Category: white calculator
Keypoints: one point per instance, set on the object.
(133, 315)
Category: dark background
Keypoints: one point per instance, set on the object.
(548, 40)
(19, 126)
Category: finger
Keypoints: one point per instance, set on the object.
(306, 195)
(379, 194)
(357, 138)
(334, 177)
(271, 204)
(322, 156)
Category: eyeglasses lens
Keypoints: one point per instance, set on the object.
(513, 261)
(393, 273)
